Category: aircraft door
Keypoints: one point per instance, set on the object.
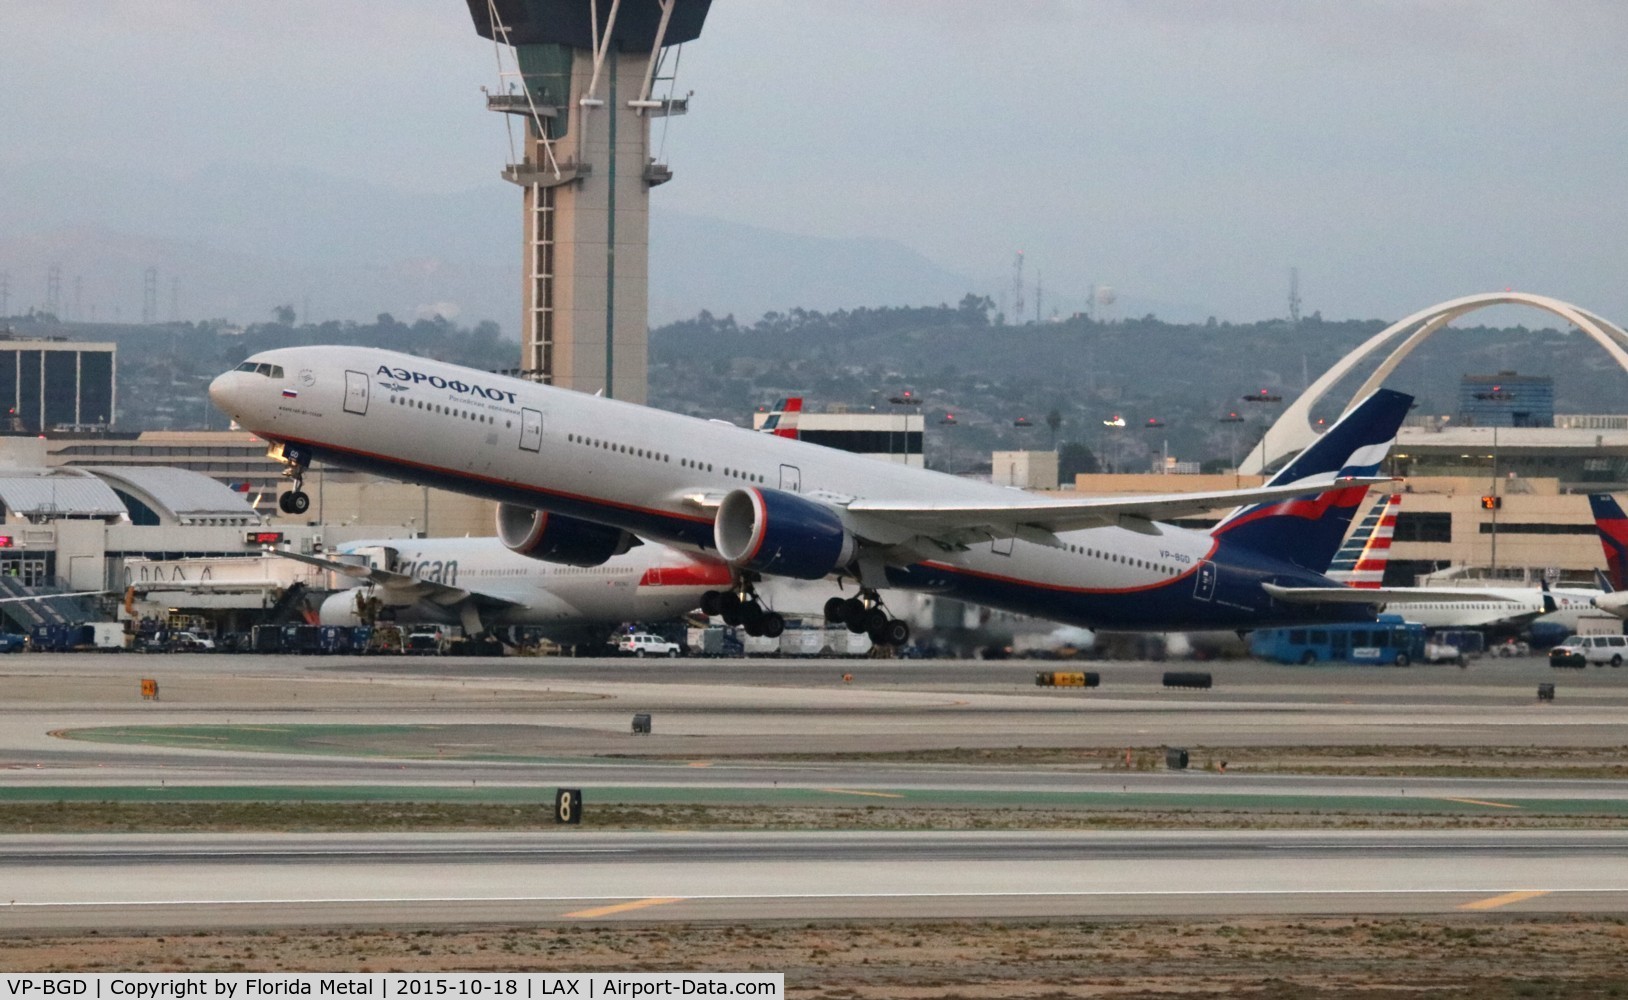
(531, 430)
(791, 479)
(356, 393)
(1204, 581)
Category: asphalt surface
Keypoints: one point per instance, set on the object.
(258, 880)
(492, 730)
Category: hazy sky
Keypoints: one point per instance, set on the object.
(1399, 153)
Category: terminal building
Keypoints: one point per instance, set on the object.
(56, 384)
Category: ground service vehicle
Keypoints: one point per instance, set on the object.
(645, 644)
(1389, 641)
(1580, 650)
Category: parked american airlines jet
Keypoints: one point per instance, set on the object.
(480, 584)
(577, 477)
(1360, 565)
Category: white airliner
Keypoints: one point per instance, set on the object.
(578, 476)
(481, 585)
(1361, 565)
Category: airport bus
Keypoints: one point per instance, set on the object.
(1388, 641)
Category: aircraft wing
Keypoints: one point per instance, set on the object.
(1383, 595)
(49, 597)
(403, 587)
(1034, 518)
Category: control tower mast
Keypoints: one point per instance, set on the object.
(582, 84)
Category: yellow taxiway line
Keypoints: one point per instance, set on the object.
(637, 904)
(1509, 897)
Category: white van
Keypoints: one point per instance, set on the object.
(1595, 649)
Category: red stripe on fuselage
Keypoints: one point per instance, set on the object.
(695, 574)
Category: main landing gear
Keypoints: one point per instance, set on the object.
(741, 608)
(865, 614)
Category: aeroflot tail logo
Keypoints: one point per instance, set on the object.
(436, 381)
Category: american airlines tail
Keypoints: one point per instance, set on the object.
(1307, 530)
(782, 420)
(1612, 524)
(1361, 560)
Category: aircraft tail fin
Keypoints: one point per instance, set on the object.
(1360, 563)
(782, 419)
(1612, 524)
(1307, 530)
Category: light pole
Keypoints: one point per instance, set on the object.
(1266, 426)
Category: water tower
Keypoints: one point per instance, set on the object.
(582, 77)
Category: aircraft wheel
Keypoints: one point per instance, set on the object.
(836, 610)
(728, 600)
(771, 625)
(854, 625)
(712, 603)
(896, 633)
(751, 615)
(294, 502)
(853, 610)
(875, 621)
(733, 616)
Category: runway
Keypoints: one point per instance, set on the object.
(259, 880)
(753, 733)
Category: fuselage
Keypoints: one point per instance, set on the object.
(647, 583)
(1501, 606)
(650, 472)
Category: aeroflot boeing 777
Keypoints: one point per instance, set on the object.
(577, 477)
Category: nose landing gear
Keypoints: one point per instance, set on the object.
(295, 462)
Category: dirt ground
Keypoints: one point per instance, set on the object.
(1375, 958)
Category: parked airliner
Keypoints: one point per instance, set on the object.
(578, 476)
(1361, 561)
(482, 585)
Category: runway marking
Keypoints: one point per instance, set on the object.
(854, 791)
(699, 763)
(1504, 900)
(1483, 802)
(637, 904)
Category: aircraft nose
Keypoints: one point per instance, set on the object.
(220, 392)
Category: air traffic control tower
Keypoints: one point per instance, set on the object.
(581, 77)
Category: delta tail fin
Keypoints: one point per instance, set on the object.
(1612, 525)
(1360, 563)
(1307, 530)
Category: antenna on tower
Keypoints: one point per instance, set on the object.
(1294, 298)
(149, 296)
(1039, 293)
(175, 298)
(78, 298)
(53, 290)
(1017, 288)
(5, 293)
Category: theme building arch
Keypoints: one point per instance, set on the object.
(1293, 430)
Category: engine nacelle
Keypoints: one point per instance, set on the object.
(556, 538)
(782, 534)
(342, 607)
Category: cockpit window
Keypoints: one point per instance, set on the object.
(270, 371)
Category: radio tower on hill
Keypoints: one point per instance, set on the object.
(1017, 288)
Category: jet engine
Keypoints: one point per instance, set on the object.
(782, 534)
(344, 607)
(556, 538)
